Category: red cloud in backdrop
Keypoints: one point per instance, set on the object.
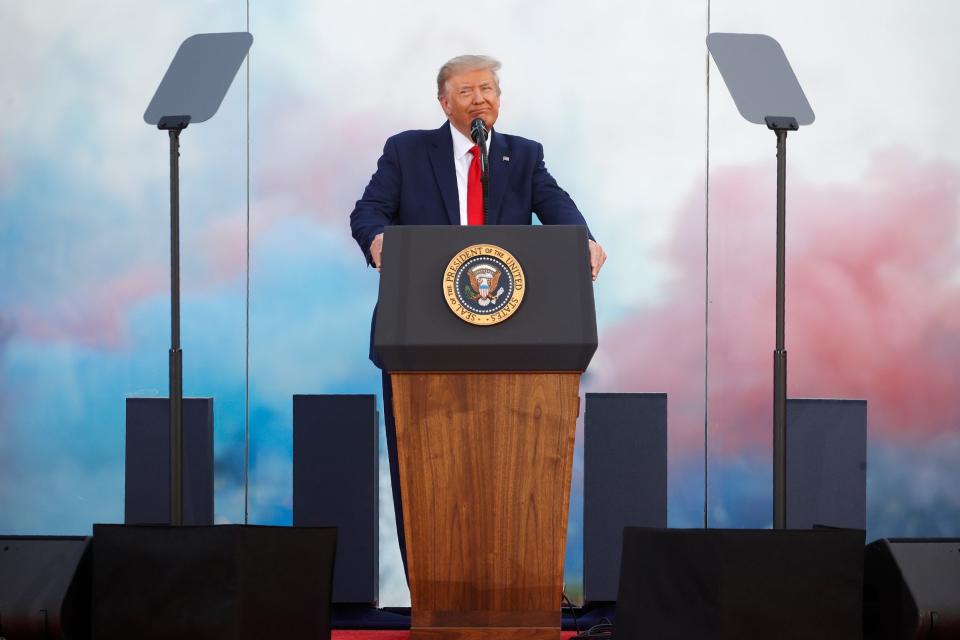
(91, 315)
(873, 305)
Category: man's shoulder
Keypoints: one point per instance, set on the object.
(414, 137)
(517, 142)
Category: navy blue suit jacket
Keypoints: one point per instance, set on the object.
(416, 183)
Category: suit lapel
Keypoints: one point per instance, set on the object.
(499, 156)
(441, 157)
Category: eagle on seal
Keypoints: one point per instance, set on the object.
(483, 281)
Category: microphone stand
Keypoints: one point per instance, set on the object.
(479, 135)
(485, 178)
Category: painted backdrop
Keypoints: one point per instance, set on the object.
(637, 126)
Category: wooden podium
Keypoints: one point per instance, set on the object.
(485, 417)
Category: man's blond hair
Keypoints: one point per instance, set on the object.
(467, 63)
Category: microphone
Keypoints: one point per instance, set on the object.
(478, 131)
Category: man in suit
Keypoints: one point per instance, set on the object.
(433, 177)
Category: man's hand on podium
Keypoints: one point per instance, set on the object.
(597, 257)
(376, 248)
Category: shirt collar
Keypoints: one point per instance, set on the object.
(462, 144)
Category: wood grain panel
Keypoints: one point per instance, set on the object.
(501, 633)
(485, 468)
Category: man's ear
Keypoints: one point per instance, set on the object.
(444, 104)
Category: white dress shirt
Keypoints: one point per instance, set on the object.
(461, 160)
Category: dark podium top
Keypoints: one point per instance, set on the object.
(553, 329)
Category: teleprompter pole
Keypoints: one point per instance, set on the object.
(761, 82)
(194, 86)
(174, 125)
(780, 126)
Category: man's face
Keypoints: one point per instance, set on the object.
(470, 95)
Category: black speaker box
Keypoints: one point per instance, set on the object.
(624, 480)
(44, 587)
(826, 463)
(336, 482)
(912, 589)
(216, 583)
(147, 475)
(725, 584)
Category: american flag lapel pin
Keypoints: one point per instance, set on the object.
(506, 158)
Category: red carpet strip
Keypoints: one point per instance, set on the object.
(345, 634)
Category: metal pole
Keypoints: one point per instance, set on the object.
(176, 357)
(484, 176)
(485, 182)
(780, 354)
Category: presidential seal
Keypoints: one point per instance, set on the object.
(483, 284)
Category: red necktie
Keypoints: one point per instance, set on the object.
(474, 189)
